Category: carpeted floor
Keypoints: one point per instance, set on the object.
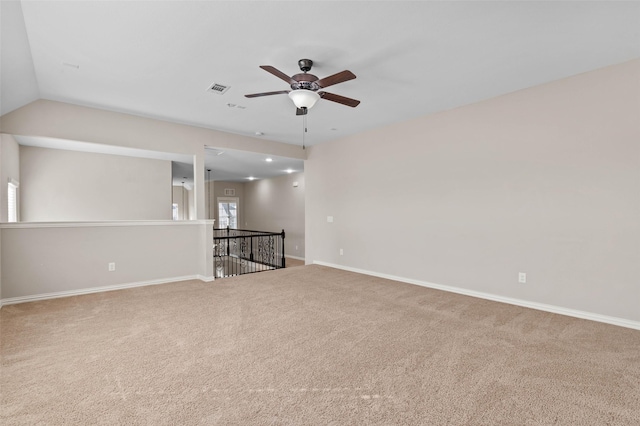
(310, 345)
(290, 263)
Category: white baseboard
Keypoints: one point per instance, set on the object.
(518, 302)
(294, 257)
(206, 279)
(56, 295)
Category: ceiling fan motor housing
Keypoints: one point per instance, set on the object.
(305, 81)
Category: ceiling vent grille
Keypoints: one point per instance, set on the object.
(218, 88)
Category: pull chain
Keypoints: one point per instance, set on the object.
(304, 129)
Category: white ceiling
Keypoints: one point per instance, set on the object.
(411, 58)
(230, 165)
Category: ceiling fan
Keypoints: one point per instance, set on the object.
(305, 88)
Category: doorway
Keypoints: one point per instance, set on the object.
(228, 212)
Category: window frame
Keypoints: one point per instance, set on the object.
(12, 201)
(227, 200)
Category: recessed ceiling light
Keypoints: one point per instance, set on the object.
(289, 171)
(251, 178)
(268, 159)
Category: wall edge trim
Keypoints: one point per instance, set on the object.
(621, 322)
(29, 225)
(294, 257)
(80, 292)
(206, 279)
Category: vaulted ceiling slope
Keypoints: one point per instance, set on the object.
(157, 59)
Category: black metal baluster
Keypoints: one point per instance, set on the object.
(230, 251)
(282, 249)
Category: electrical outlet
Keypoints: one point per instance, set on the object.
(296, 247)
(112, 266)
(341, 252)
(522, 277)
(330, 219)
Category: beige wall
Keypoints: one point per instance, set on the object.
(275, 204)
(182, 197)
(44, 260)
(72, 122)
(191, 204)
(9, 170)
(544, 181)
(209, 207)
(61, 185)
(218, 192)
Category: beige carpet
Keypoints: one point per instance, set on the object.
(290, 263)
(310, 345)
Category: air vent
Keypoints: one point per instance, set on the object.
(218, 88)
(229, 191)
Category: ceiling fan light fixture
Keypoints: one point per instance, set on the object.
(304, 98)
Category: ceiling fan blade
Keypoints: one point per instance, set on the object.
(277, 73)
(257, 95)
(339, 99)
(301, 111)
(336, 78)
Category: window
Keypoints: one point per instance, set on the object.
(174, 210)
(228, 212)
(13, 201)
